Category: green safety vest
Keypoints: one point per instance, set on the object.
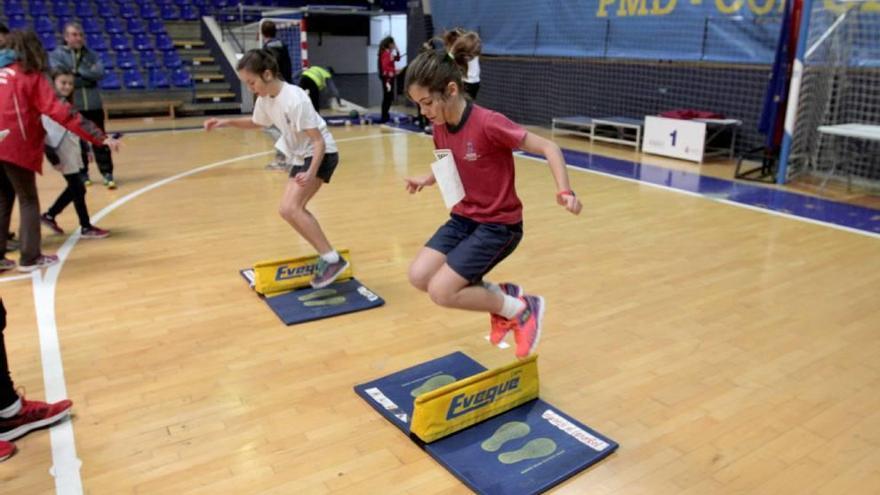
(319, 75)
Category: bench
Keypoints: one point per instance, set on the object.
(130, 105)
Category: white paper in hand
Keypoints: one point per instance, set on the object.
(447, 178)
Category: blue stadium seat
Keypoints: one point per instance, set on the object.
(17, 22)
(181, 79)
(125, 60)
(135, 26)
(148, 11)
(44, 25)
(142, 42)
(13, 9)
(61, 9)
(189, 13)
(107, 60)
(170, 13)
(149, 60)
(96, 42)
(91, 25)
(164, 42)
(62, 21)
(112, 26)
(83, 10)
(159, 79)
(111, 81)
(38, 9)
(156, 26)
(127, 11)
(48, 39)
(108, 12)
(119, 42)
(133, 79)
(171, 60)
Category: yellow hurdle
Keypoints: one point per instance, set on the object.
(271, 277)
(464, 403)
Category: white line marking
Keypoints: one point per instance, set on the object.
(719, 200)
(13, 278)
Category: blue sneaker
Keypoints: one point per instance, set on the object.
(327, 273)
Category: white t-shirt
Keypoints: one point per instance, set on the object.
(473, 72)
(292, 112)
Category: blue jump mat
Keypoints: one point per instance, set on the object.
(526, 450)
(300, 306)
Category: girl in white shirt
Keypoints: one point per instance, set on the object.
(305, 142)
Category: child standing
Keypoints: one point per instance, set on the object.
(486, 225)
(305, 141)
(63, 151)
(25, 94)
(388, 55)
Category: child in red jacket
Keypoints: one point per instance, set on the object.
(25, 94)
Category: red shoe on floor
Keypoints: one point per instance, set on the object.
(33, 415)
(501, 325)
(6, 450)
(94, 233)
(527, 331)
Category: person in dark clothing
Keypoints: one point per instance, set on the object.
(278, 49)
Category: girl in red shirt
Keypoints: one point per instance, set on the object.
(486, 225)
(388, 54)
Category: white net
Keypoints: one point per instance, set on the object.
(840, 86)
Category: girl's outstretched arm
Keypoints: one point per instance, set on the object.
(550, 150)
(240, 122)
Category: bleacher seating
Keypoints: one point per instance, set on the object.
(131, 39)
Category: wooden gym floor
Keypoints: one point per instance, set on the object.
(727, 350)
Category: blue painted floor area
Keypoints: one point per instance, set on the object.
(800, 205)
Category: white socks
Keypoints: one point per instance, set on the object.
(331, 257)
(12, 410)
(493, 288)
(511, 307)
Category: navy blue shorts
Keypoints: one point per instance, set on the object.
(325, 170)
(472, 248)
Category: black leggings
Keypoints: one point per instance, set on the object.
(7, 389)
(102, 153)
(387, 99)
(75, 193)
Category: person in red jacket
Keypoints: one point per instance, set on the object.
(25, 95)
(388, 54)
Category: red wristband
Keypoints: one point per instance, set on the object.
(567, 192)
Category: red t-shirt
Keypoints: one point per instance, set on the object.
(482, 145)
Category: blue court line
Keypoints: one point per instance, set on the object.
(807, 207)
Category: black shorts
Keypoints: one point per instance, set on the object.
(472, 248)
(325, 171)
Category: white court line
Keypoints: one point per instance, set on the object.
(66, 464)
(719, 200)
(729, 202)
(12, 278)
